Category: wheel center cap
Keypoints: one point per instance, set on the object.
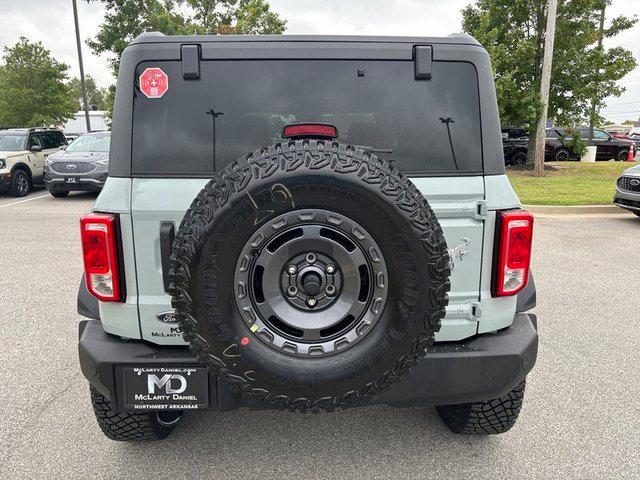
(311, 283)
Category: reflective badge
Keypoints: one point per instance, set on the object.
(154, 83)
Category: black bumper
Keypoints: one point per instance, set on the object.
(481, 368)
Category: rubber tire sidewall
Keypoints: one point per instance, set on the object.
(622, 155)
(515, 162)
(13, 189)
(393, 344)
(561, 150)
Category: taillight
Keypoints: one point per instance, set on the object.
(100, 253)
(310, 130)
(514, 235)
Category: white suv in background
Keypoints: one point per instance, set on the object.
(22, 155)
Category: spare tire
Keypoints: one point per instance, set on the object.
(309, 275)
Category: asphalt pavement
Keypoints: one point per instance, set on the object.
(581, 416)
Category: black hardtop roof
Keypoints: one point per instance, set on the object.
(157, 37)
(156, 47)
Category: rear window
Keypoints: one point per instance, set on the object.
(421, 126)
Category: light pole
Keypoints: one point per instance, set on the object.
(82, 83)
(545, 83)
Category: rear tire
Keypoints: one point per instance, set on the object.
(519, 159)
(132, 427)
(60, 193)
(20, 184)
(484, 418)
(622, 155)
(561, 155)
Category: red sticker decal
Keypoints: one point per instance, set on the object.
(244, 341)
(154, 83)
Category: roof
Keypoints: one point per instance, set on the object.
(157, 37)
(28, 130)
(96, 132)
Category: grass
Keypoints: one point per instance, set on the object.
(568, 183)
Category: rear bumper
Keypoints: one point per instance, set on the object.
(480, 368)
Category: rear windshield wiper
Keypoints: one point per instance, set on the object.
(447, 121)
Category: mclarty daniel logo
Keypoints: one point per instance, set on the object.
(171, 383)
(165, 384)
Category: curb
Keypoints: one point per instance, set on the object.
(574, 210)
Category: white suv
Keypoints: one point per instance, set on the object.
(22, 155)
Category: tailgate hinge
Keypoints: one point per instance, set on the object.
(422, 58)
(190, 62)
(481, 210)
(469, 311)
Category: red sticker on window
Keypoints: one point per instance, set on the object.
(154, 83)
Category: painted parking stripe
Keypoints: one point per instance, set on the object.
(23, 201)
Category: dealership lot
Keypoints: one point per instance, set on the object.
(580, 418)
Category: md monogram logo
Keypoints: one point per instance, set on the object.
(172, 383)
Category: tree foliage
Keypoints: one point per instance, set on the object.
(126, 19)
(96, 96)
(33, 88)
(513, 33)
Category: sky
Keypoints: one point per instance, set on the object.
(51, 21)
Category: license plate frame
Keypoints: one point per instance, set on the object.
(165, 388)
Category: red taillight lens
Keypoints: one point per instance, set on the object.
(100, 254)
(310, 130)
(515, 232)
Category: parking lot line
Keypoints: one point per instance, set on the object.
(22, 201)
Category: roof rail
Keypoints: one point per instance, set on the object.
(41, 129)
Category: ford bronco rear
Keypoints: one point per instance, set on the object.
(305, 223)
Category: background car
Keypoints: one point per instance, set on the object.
(608, 147)
(515, 144)
(627, 194)
(22, 155)
(81, 166)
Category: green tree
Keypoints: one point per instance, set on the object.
(126, 19)
(513, 32)
(96, 96)
(32, 87)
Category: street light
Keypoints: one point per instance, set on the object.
(82, 84)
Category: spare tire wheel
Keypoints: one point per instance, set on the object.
(309, 275)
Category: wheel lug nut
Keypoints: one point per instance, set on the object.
(329, 269)
(330, 290)
(292, 291)
(311, 302)
(311, 258)
(292, 269)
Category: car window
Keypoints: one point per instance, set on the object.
(49, 141)
(429, 126)
(34, 140)
(600, 135)
(91, 143)
(552, 134)
(11, 142)
(59, 138)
